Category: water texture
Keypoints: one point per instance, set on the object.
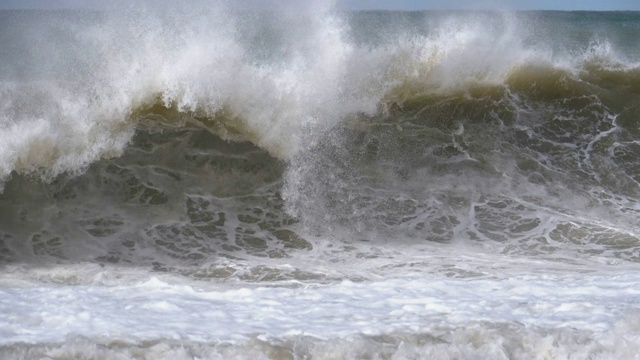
(207, 182)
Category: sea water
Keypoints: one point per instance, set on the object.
(206, 181)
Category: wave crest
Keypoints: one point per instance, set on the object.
(278, 80)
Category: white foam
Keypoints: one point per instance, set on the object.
(595, 304)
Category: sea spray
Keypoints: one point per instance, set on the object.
(318, 183)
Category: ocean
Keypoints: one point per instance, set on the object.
(206, 182)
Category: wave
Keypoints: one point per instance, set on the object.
(280, 81)
(307, 154)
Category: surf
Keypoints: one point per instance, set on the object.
(109, 73)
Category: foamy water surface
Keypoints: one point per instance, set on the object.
(208, 182)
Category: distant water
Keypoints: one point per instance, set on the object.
(182, 183)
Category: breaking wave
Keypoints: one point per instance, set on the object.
(265, 130)
(279, 81)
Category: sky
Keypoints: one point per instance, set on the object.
(603, 5)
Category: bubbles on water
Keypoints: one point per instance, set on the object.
(475, 340)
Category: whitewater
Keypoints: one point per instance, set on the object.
(207, 181)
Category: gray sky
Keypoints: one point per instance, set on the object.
(495, 4)
(370, 4)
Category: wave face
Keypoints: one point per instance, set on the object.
(169, 158)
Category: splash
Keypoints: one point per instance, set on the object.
(279, 79)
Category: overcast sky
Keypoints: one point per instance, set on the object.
(496, 4)
(370, 4)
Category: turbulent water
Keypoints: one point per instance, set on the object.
(305, 183)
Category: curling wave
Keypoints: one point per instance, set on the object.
(280, 81)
